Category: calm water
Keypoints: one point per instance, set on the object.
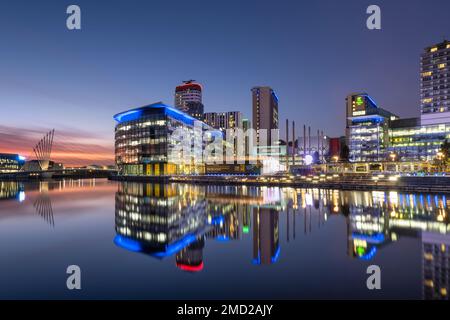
(134, 240)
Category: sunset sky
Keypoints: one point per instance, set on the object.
(132, 53)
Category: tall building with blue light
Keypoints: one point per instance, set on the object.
(367, 129)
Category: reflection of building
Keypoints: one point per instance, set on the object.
(158, 218)
(146, 137)
(188, 99)
(224, 120)
(10, 162)
(376, 219)
(266, 245)
(436, 265)
(11, 190)
(35, 165)
(173, 219)
(191, 258)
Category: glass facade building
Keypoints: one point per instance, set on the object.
(10, 162)
(145, 139)
(411, 141)
(367, 128)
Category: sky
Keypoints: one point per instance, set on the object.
(131, 53)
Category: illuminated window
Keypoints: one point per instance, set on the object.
(448, 46)
(441, 65)
(427, 100)
(427, 74)
(433, 49)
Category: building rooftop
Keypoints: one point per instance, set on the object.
(136, 113)
(441, 45)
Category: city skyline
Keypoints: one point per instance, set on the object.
(74, 82)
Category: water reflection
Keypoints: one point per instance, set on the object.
(167, 219)
(185, 226)
(12, 190)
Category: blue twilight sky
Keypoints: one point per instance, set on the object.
(134, 52)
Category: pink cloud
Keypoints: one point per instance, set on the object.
(71, 147)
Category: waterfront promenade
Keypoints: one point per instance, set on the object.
(439, 184)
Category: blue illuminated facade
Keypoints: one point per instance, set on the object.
(144, 141)
(11, 162)
(367, 130)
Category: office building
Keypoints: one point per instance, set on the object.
(144, 141)
(188, 99)
(224, 120)
(367, 128)
(11, 162)
(385, 136)
(435, 84)
(246, 125)
(265, 113)
(411, 141)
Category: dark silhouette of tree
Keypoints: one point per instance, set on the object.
(445, 149)
(345, 153)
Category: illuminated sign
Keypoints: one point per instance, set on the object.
(359, 113)
(359, 101)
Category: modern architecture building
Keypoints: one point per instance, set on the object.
(188, 99)
(435, 266)
(145, 140)
(411, 141)
(224, 120)
(246, 125)
(435, 84)
(266, 238)
(374, 134)
(265, 113)
(11, 162)
(12, 190)
(367, 129)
